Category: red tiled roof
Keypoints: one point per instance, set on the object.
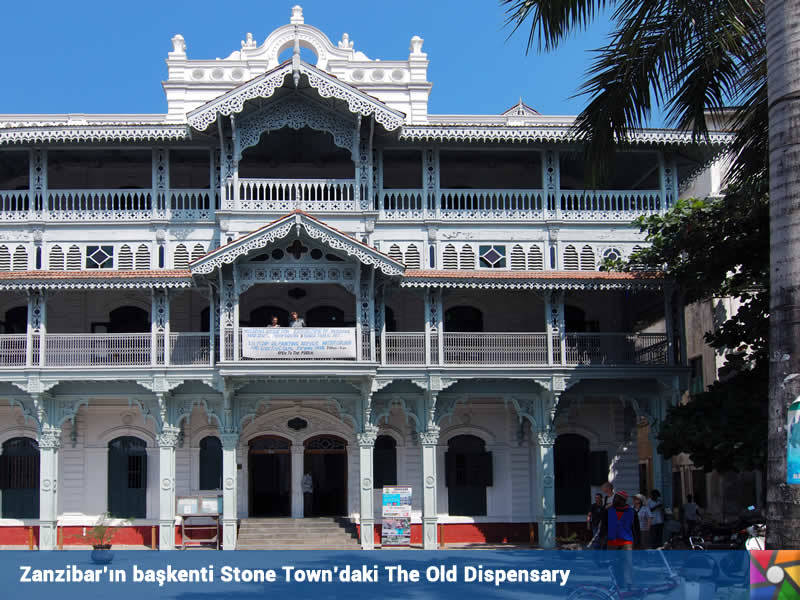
(592, 275)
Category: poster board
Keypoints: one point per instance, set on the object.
(188, 505)
(396, 516)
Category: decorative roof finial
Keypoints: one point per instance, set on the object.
(297, 15)
(346, 43)
(296, 57)
(248, 42)
(178, 44)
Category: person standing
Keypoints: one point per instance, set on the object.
(690, 512)
(296, 321)
(623, 533)
(656, 507)
(645, 519)
(308, 494)
(595, 518)
(273, 322)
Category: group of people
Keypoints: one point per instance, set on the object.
(294, 321)
(616, 525)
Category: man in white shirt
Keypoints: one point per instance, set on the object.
(296, 321)
(656, 519)
(691, 513)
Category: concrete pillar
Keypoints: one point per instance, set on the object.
(167, 442)
(230, 442)
(298, 455)
(366, 446)
(49, 444)
(429, 441)
(545, 472)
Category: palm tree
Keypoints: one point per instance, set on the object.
(691, 58)
(783, 45)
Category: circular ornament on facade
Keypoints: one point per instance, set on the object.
(127, 419)
(46, 483)
(398, 74)
(229, 483)
(166, 484)
(358, 75)
(197, 74)
(297, 424)
(547, 480)
(217, 73)
(237, 74)
(366, 484)
(377, 75)
(429, 481)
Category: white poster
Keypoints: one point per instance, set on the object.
(298, 342)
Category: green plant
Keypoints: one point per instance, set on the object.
(100, 535)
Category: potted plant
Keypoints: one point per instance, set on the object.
(99, 537)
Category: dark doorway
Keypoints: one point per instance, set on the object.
(262, 316)
(468, 471)
(325, 316)
(19, 479)
(127, 478)
(326, 460)
(270, 487)
(574, 319)
(210, 463)
(571, 463)
(458, 319)
(16, 320)
(129, 319)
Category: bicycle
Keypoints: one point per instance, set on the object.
(613, 592)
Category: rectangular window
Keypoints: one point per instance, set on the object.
(402, 169)
(696, 376)
(189, 169)
(99, 257)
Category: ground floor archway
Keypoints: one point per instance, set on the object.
(325, 459)
(269, 463)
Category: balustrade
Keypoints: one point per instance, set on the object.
(401, 349)
(286, 195)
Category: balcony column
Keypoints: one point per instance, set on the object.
(368, 304)
(228, 299)
(167, 442)
(557, 324)
(377, 180)
(159, 326)
(297, 466)
(545, 473)
(230, 443)
(366, 446)
(430, 183)
(36, 330)
(551, 176)
(236, 337)
(37, 173)
(160, 206)
(434, 336)
(363, 165)
(548, 325)
(669, 323)
(359, 292)
(429, 440)
(49, 444)
(380, 320)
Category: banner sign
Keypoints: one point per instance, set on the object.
(298, 342)
(396, 521)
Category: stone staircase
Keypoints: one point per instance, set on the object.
(319, 533)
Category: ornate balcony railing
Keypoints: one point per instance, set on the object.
(14, 205)
(399, 349)
(285, 195)
(609, 204)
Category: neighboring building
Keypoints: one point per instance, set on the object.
(474, 349)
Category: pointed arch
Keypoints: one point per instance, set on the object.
(5, 259)
(395, 253)
(55, 262)
(20, 258)
(142, 258)
(467, 258)
(587, 258)
(517, 258)
(198, 251)
(74, 258)
(125, 258)
(180, 258)
(412, 257)
(535, 259)
(570, 258)
(449, 257)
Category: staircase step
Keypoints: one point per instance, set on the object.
(320, 533)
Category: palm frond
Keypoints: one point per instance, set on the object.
(551, 22)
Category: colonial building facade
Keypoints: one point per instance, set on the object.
(460, 334)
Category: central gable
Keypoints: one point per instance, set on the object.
(291, 226)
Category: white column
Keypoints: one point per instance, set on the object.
(548, 326)
(560, 325)
(429, 441)
(167, 441)
(230, 442)
(366, 446)
(49, 444)
(153, 327)
(358, 292)
(426, 316)
(37, 315)
(236, 350)
(298, 455)
(545, 472)
(439, 316)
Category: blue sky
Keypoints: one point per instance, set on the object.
(92, 56)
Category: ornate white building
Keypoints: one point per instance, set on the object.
(480, 353)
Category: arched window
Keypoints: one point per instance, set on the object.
(463, 319)
(142, 258)
(571, 462)
(180, 258)
(468, 471)
(517, 258)
(74, 258)
(129, 319)
(127, 477)
(570, 258)
(449, 257)
(262, 316)
(395, 253)
(125, 258)
(20, 259)
(412, 257)
(210, 463)
(587, 258)
(535, 259)
(5, 259)
(56, 259)
(467, 259)
(19, 479)
(384, 461)
(198, 251)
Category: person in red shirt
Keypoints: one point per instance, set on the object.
(623, 532)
